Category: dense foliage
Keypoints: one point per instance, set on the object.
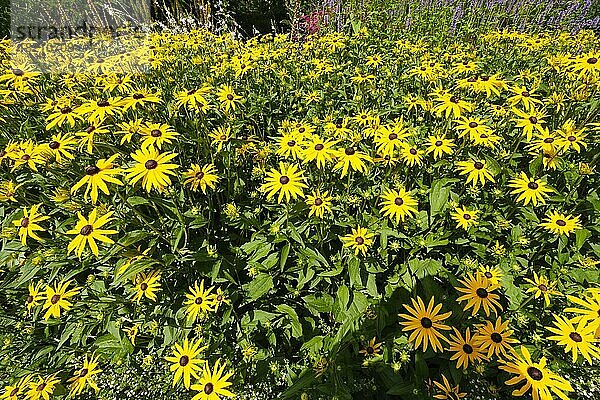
(352, 216)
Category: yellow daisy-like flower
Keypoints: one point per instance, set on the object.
(320, 151)
(448, 392)
(398, 204)
(88, 231)
(229, 100)
(465, 218)
(360, 239)
(204, 176)
(152, 168)
(14, 391)
(372, 348)
(479, 294)
(351, 158)
(61, 146)
(288, 181)
(96, 177)
(578, 339)
(529, 189)
(85, 376)
(146, 285)
(57, 299)
(542, 382)
(542, 287)
(466, 350)
(28, 224)
(157, 134)
(591, 308)
(425, 324)
(561, 224)
(220, 136)
(476, 171)
(495, 338)
(200, 301)
(439, 145)
(34, 295)
(186, 362)
(318, 203)
(42, 388)
(212, 385)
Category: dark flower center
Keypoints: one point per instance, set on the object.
(284, 180)
(592, 60)
(223, 137)
(473, 124)
(25, 222)
(478, 165)
(14, 392)
(398, 201)
(302, 129)
(488, 274)
(199, 175)
(483, 136)
(318, 201)
(41, 387)
(370, 350)
(535, 373)
(467, 216)
(393, 136)
(184, 360)
(209, 388)
(413, 151)
(533, 185)
(83, 372)
(454, 99)
(155, 133)
(576, 337)
(438, 143)
(54, 145)
(543, 287)
(350, 151)
(319, 147)
(86, 230)
(230, 97)
(90, 129)
(198, 300)
(426, 323)
(549, 140)
(66, 110)
(496, 337)
(482, 293)
(191, 92)
(560, 222)
(525, 93)
(55, 299)
(571, 138)
(138, 96)
(25, 157)
(103, 103)
(151, 164)
(291, 143)
(92, 170)
(359, 240)
(219, 297)
(467, 348)
(533, 120)
(18, 72)
(485, 78)
(30, 299)
(472, 79)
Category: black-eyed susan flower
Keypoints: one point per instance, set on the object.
(66, 114)
(590, 311)
(538, 378)
(88, 230)
(220, 298)
(213, 385)
(87, 135)
(472, 127)
(319, 203)
(61, 145)
(288, 182)
(57, 299)
(42, 388)
(425, 324)
(28, 224)
(411, 155)
(28, 153)
(200, 301)
(153, 168)
(561, 224)
(577, 339)
(439, 145)
(228, 98)
(530, 190)
(360, 239)
(139, 97)
(85, 376)
(128, 129)
(542, 287)
(464, 217)
(496, 338)
(523, 96)
(476, 171)
(479, 293)
(531, 121)
(492, 274)
(398, 204)
(290, 145)
(319, 151)
(466, 350)
(146, 285)
(351, 158)
(35, 295)
(220, 136)
(98, 110)
(156, 135)
(448, 392)
(186, 362)
(14, 391)
(451, 106)
(204, 176)
(193, 98)
(371, 349)
(96, 177)
(8, 190)
(571, 137)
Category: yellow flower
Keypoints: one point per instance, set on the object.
(288, 181)
(465, 218)
(495, 338)
(425, 324)
(350, 157)
(579, 339)
(319, 151)
(201, 176)
(318, 203)
(438, 145)
(542, 286)
(156, 135)
(466, 350)
(561, 224)
(34, 295)
(398, 204)
(42, 388)
(185, 361)
(96, 177)
(529, 189)
(85, 376)
(88, 231)
(57, 299)
(212, 385)
(199, 301)
(476, 171)
(146, 286)
(479, 293)
(448, 392)
(28, 224)
(360, 239)
(228, 98)
(152, 168)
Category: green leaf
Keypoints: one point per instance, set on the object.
(438, 197)
(284, 255)
(293, 317)
(259, 286)
(354, 272)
